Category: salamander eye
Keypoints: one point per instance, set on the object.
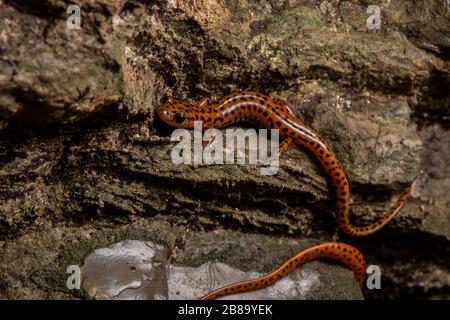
(179, 118)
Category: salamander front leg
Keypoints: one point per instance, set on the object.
(285, 145)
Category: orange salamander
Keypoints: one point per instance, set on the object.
(271, 113)
(344, 253)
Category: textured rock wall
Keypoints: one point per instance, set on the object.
(83, 161)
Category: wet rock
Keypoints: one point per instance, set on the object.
(126, 270)
(35, 265)
(138, 270)
(304, 284)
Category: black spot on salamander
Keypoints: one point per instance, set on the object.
(218, 120)
(301, 138)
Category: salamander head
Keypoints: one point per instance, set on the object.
(177, 113)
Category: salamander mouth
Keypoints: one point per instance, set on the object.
(163, 113)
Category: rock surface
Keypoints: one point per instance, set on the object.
(138, 270)
(84, 164)
(133, 270)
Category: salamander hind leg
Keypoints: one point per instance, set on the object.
(285, 145)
